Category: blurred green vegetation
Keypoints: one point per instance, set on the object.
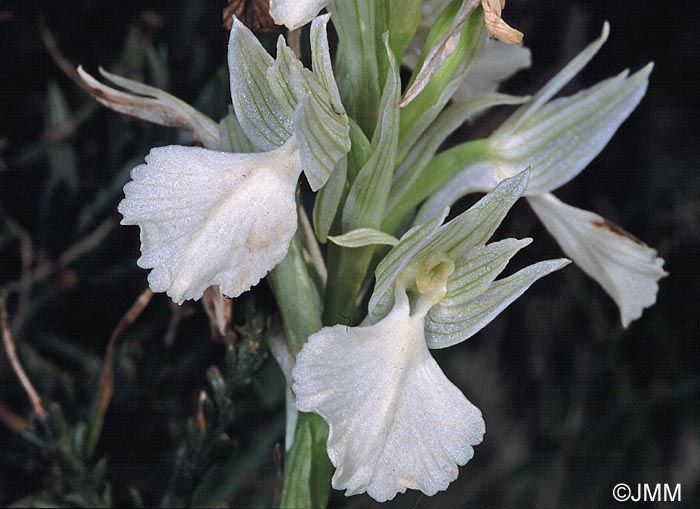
(573, 403)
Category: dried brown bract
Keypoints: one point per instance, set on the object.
(255, 14)
(498, 28)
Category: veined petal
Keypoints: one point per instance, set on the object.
(559, 139)
(295, 13)
(277, 98)
(561, 79)
(395, 420)
(471, 228)
(452, 321)
(262, 118)
(212, 218)
(626, 268)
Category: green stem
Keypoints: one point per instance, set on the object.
(297, 297)
(307, 467)
(347, 269)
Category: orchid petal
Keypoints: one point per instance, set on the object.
(380, 390)
(452, 321)
(277, 98)
(295, 13)
(212, 218)
(559, 139)
(626, 268)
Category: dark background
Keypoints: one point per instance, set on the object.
(573, 403)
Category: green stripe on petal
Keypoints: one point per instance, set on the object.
(448, 325)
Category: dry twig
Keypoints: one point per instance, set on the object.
(24, 284)
(107, 366)
(13, 421)
(14, 360)
(63, 63)
(105, 387)
(74, 252)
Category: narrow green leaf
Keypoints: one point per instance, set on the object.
(297, 470)
(328, 200)
(361, 149)
(356, 60)
(403, 18)
(366, 201)
(307, 479)
(419, 114)
(441, 49)
(296, 296)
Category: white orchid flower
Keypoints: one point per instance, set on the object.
(557, 139)
(214, 218)
(396, 421)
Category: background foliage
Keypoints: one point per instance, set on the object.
(574, 404)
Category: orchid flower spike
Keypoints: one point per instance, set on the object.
(210, 217)
(558, 138)
(396, 421)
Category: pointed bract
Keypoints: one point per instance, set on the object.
(153, 105)
(396, 421)
(212, 218)
(625, 267)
